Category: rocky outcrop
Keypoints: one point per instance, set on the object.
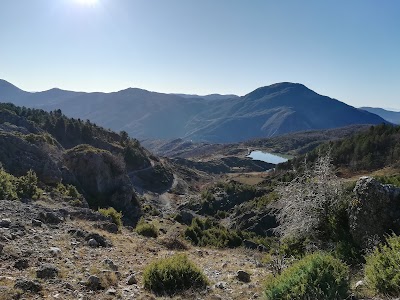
(261, 222)
(103, 178)
(374, 212)
(11, 121)
(18, 155)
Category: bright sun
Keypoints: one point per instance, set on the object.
(87, 2)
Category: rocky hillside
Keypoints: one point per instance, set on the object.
(49, 250)
(98, 162)
(268, 111)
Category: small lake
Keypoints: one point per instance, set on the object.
(267, 157)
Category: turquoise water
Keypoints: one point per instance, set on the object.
(267, 157)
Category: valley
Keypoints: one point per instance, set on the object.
(93, 209)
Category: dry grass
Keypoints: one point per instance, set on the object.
(131, 253)
(253, 178)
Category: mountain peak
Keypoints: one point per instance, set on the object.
(281, 87)
(5, 84)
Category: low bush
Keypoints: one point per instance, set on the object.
(382, 268)
(27, 186)
(146, 229)
(14, 188)
(111, 212)
(172, 275)
(316, 276)
(207, 233)
(8, 189)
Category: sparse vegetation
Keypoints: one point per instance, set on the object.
(13, 188)
(316, 276)
(208, 233)
(382, 268)
(7, 186)
(172, 275)
(146, 229)
(306, 202)
(113, 214)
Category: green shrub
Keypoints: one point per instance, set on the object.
(27, 186)
(68, 190)
(382, 268)
(316, 276)
(172, 275)
(8, 189)
(207, 233)
(72, 191)
(14, 188)
(146, 229)
(111, 212)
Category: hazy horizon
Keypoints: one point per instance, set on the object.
(344, 50)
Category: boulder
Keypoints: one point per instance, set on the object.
(374, 212)
(47, 271)
(131, 279)
(104, 179)
(243, 276)
(5, 223)
(110, 264)
(50, 217)
(21, 264)
(93, 283)
(93, 243)
(99, 239)
(27, 285)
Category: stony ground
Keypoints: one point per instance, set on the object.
(49, 250)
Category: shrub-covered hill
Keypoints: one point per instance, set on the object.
(373, 149)
(72, 151)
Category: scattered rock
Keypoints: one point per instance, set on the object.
(21, 264)
(50, 218)
(108, 226)
(243, 276)
(221, 285)
(56, 252)
(78, 233)
(109, 263)
(1, 248)
(47, 271)
(93, 243)
(93, 283)
(131, 279)
(36, 223)
(5, 223)
(101, 240)
(111, 291)
(28, 285)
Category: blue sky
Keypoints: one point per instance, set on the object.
(349, 50)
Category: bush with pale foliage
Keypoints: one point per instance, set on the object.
(305, 203)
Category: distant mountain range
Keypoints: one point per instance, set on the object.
(268, 111)
(388, 115)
